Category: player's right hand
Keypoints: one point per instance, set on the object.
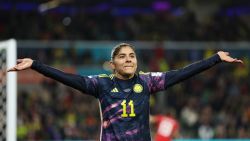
(22, 64)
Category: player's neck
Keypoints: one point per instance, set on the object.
(124, 77)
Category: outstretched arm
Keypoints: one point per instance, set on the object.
(76, 81)
(175, 76)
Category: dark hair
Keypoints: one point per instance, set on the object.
(115, 51)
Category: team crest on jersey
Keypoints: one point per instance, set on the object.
(137, 88)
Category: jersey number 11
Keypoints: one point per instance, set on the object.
(124, 109)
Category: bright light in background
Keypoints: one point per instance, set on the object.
(49, 5)
(66, 21)
(161, 5)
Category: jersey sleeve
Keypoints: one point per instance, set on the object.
(154, 80)
(85, 84)
(158, 81)
(175, 76)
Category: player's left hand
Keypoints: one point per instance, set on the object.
(224, 56)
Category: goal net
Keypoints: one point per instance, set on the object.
(7, 91)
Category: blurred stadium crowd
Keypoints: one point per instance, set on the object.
(191, 21)
(162, 26)
(214, 104)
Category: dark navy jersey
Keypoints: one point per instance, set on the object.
(125, 103)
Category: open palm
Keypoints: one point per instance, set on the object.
(22, 64)
(224, 56)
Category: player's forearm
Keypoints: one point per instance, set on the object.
(72, 80)
(175, 76)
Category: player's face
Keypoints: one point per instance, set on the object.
(125, 63)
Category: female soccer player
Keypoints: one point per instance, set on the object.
(124, 95)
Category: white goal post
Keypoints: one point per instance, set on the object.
(8, 97)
